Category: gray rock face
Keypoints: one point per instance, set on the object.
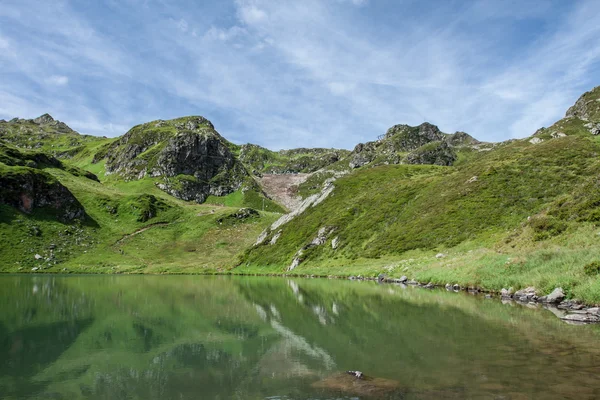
(581, 108)
(434, 153)
(593, 127)
(423, 144)
(46, 119)
(43, 119)
(191, 158)
(555, 297)
(37, 189)
(409, 138)
(581, 318)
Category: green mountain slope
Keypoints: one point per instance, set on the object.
(419, 202)
(523, 199)
(56, 215)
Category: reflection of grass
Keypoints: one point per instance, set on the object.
(528, 219)
(147, 336)
(183, 240)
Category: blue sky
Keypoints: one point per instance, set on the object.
(304, 73)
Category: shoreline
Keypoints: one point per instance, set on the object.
(570, 311)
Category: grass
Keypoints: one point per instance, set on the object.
(529, 203)
(260, 160)
(516, 214)
(130, 227)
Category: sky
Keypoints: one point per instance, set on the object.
(303, 73)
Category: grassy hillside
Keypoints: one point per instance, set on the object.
(122, 226)
(259, 160)
(518, 213)
(523, 213)
(47, 135)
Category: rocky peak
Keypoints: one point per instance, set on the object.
(186, 156)
(587, 107)
(461, 139)
(43, 119)
(407, 138)
(422, 144)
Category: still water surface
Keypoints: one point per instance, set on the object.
(183, 337)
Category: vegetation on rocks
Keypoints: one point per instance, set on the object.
(417, 202)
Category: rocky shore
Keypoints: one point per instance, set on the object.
(570, 311)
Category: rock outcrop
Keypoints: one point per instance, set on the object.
(587, 107)
(404, 144)
(188, 158)
(29, 189)
(260, 160)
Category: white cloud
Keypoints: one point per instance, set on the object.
(249, 13)
(57, 80)
(182, 25)
(4, 43)
(299, 73)
(354, 2)
(225, 34)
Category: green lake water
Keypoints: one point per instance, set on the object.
(194, 337)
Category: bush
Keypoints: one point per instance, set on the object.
(545, 227)
(592, 268)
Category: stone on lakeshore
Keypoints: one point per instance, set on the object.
(527, 293)
(555, 297)
(403, 279)
(581, 318)
(456, 286)
(593, 311)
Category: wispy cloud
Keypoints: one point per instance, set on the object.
(310, 73)
(58, 80)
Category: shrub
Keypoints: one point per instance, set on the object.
(592, 268)
(545, 227)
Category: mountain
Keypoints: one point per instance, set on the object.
(483, 214)
(404, 144)
(189, 158)
(176, 196)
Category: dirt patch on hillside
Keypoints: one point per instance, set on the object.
(283, 188)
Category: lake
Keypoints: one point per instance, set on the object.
(199, 337)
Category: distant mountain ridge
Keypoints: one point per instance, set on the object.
(173, 196)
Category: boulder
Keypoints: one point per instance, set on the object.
(555, 297)
(535, 140)
(581, 318)
(593, 310)
(527, 292)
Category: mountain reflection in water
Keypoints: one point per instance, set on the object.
(189, 337)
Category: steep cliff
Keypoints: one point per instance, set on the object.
(186, 156)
